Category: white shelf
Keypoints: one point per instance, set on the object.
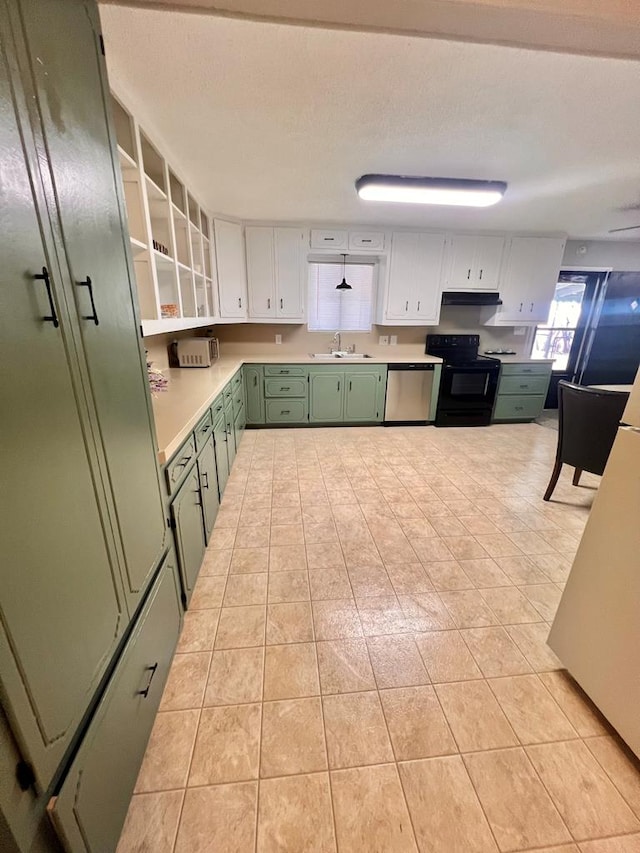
(184, 268)
(158, 327)
(179, 217)
(127, 163)
(161, 258)
(137, 247)
(153, 190)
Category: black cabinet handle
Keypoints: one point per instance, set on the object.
(53, 317)
(184, 461)
(282, 303)
(285, 411)
(468, 274)
(152, 671)
(255, 381)
(285, 388)
(268, 303)
(481, 271)
(338, 384)
(205, 477)
(88, 284)
(349, 385)
(199, 494)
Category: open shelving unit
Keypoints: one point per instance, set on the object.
(170, 234)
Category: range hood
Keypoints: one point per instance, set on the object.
(470, 297)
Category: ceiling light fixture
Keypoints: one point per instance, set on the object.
(343, 284)
(451, 191)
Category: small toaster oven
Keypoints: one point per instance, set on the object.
(197, 352)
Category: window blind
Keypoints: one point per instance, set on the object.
(332, 310)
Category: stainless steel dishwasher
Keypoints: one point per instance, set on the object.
(409, 392)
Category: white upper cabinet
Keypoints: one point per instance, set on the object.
(412, 290)
(232, 277)
(528, 280)
(275, 273)
(474, 262)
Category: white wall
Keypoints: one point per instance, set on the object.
(617, 254)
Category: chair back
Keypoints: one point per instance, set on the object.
(588, 420)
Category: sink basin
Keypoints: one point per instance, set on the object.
(332, 356)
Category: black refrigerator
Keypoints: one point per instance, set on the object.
(610, 351)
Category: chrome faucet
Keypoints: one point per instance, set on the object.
(335, 340)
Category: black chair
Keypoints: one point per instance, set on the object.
(588, 420)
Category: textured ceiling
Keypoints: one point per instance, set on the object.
(270, 121)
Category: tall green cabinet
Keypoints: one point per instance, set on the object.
(84, 531)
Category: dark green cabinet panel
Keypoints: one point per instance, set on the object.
(286, 411)
(73, 108)
(231, 440)
(239, 425)
(220, 440)
(186, 511)
(326, 392)
(362, 397)
(90, 808)
(208, 485)
(61, 604)
(253, 394)
(285, 387)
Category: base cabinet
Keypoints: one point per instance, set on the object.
(254, 394)
(522, 390)
(326, 393)
(221, 439)
(364, 397)
(188, 526)
(208, 478)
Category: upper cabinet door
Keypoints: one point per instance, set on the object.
(260, 271)
(487, 263)
(232, 277)
(403, 275)
(462, 258)
(290, 272)
(529, 279)
(424, 260)
(75, 111)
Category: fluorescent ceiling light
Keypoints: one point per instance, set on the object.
(452, 191)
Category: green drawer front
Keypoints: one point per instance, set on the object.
(203, 431)
(216, 408)
(523, 385)
(285, 387)
(236, 381)
(227, 393)
(527, 368)
(180, 463)
(514, 408)
(286, 411)
(92, 803)
(285, 370)
(238, 400)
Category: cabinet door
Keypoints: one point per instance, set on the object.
(239, 424)
(361, 397)
(186, 511)
(326, 392)
(462, 256)
(208, 485)
(232, 277)
(231, 441)
(253, 394)
(289, 272)
(542, 284)
(62, 604)
(429, 271)
(74, 108)
(488, 260)
(261, 285)
(220, 439)
(402, 275)
(415, 275)
(530, 277)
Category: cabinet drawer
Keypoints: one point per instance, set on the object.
(238, 400)
(203, 430)
(178, 466)
(513, 408)
(217, 408)
(286, 411)
(527, 368)
(236, 382)
(322, 239)
(92, 803)
(227, 393)
(366, 240)
(285, 388)
(523, 385)
(285, 370)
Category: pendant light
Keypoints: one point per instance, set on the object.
(343, 284)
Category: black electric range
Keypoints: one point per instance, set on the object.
(469, 381)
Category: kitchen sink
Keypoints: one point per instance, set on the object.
(332, 356)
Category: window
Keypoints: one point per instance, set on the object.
(332, 310)
(554, 340)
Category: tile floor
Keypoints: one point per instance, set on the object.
(364, 667)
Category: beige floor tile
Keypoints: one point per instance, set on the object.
(289, 623)
(520, 812)
(447, 575)
(408, 578)
(288, 587)
(396, 661)
(521, 570)
(382, 615)
(287, 534)
(621, 844)
(296, 815)
(495, 652)
(446, 813)
(425, 612)
(578, 708)
(555, 566)
(531, 710)
(208, 592)
(227, 745)
(292, 738)
(255, 516)
(476, 719)
(530, 542)
(370, 581)
(198, 630)
(186, 682)
(235, 677)
(544, 597)
(287, 558)
(318, 532)
(370, 811)
(510, 605)
(417, 726)
(468, 608)
(291, 671)
(622, 767)
(531, 639)
(220, 818)
(221, 538)
(465, 548)
(240, 627)
(356, 730)
(498, 545)
(326, 555)
(484, 572)
(151, 824)
(583, 793)
(431, 550)
(253, 537)
(329, 583)
(166, 761)
(243, 590)
(216, 562)
(447, 656)
(336, 619)
(418, 528)
(286, 515)
(344, 666)
(449, 525)
(247, 560)
(478, 524)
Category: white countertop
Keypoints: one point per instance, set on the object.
(192, 390)
(520, 359)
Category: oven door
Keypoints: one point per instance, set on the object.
(467, 395)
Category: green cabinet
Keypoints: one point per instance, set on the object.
(522, 390)
(208, 478)
(326, 393)
(220, 441)
(254, 396)
(187, 523)
(364, 397)
(231, 439)
(353, 395)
